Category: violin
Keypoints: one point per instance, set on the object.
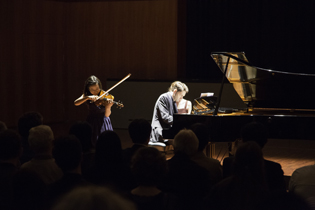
(105, 97)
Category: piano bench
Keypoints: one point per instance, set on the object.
(163, 147)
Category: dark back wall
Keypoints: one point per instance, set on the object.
(277, 34)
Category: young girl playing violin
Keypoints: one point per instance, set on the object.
(98, 111)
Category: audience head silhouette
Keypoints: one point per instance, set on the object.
(29, 191)
(149, 166)
(186, 142)
(83, 131)
(202, 134)
(108, 148)
(3, 126)
(256, 132)
(27, 121)
(67, 152)
(139, 131)
(93, 197)
(41, 139)
(249, 162)
(10, 145)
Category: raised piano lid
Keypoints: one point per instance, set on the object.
(266, 89)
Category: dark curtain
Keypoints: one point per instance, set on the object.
(274, 34)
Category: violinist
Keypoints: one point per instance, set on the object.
(99, 110)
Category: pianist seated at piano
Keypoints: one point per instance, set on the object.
(165, 107)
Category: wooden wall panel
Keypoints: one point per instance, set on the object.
(113, 38)
(124, 36)
(49, 48)
(32, 60)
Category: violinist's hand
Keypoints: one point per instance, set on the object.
(92, 98)
(109, 103)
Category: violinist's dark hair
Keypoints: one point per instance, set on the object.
(92, 80)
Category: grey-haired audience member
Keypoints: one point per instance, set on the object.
(41, 143)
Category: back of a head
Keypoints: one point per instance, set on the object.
(10, 145)
(249, 160)
(67, 152)
(139, 131)
(202, 134)
(83, 131)
(256, 132)
(3, 126)
(108, 148)
(288, 200)
(29, 190)
(186, 142)
(93, 197)
(40, 138)
(27, 121)
(149, 166)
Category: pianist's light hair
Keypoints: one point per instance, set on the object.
(179, 86)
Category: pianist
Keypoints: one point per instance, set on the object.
(164, 109)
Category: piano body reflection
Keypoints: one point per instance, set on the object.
(282, 101)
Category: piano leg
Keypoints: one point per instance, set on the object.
(210, 150)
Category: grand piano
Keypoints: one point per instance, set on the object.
(282, 101)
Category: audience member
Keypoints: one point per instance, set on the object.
(93, 197)
(10, 151)
(68, 155)
(3, 126)
(53, 173)
(288, 201)
(139, 132)
(213, 166)
(29, 191)
(186, 179)
(27, 121)
(110, 169)
(302, 183)
(41, 143)
(83, 131)
(246, 188)
(258, 133)
(149, 167)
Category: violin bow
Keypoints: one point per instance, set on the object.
(118, 83)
